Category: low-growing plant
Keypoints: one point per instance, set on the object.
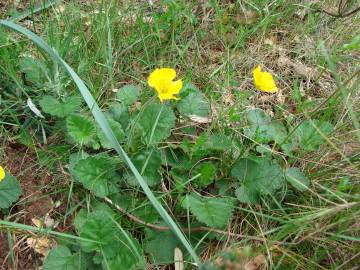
(145, 154)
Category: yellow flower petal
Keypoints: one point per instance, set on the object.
(264, 81)
(161, 75)
(2, 173)
(162, 80)
(175, 87)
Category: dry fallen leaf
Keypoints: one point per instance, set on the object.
(199, 119)
(50, 222)
(304, 9)
(246, 17)
(228, 99)
(60, 8)
(41, 245)
(37, 222)
(136, 106)
(256, 263)
(298, 67)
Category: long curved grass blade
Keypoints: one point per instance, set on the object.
(102, 122)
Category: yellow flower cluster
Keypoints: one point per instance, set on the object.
(2, 173)
(162, 80)
(264, 81)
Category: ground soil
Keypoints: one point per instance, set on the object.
(34, 203)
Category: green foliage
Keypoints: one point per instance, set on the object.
(52, 106)
(263, 130)
(218, 142)
(127, 94)
(309, 138)
(10, 191)
(81, 129)
(101, 120)
(256, 176)
(214, 212)
(193, 104)
(354, 44)
(156, 123)
(160, 246)
(148, 163)
(61, 258)
(118, 248)
(258, 122)
(118, 132)
(209, 149)
(97, 174)
(34, 70)
(139, 207)
(207, 171)
(119, 113)
(297, 179)
(207, 143)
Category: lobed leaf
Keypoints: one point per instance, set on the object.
(214, 212)
(127, 94)
(52, 106)
(257, 176)
(156, 123)
(97, 174)
(10, 191)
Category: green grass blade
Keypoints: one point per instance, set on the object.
(102, 122)
(19, 226)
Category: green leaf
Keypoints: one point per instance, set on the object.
(218, 142)
(194, 104)
(258, 129)
(156, 123)
(148, 163)
(120, 114)
(214, 212)
(119, 249)
(264, 130)
(80, 219)
(81, 129)
(52, 106)
(127, 94)
(97, 174)
(10, 191)
(74, 159)
(207, 171)
(257, 176)
(277, 131)
(34, 70)
(118, 132)
(61, 258)
(140, 207)
(297, 179)
(98, 227)
(247, 195)
(160, 246)
(309, 138)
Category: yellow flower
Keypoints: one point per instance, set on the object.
(2, 173)
(264, 81)
(162, 79)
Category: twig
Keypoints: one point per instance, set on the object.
(341, 9)
(166, 228)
